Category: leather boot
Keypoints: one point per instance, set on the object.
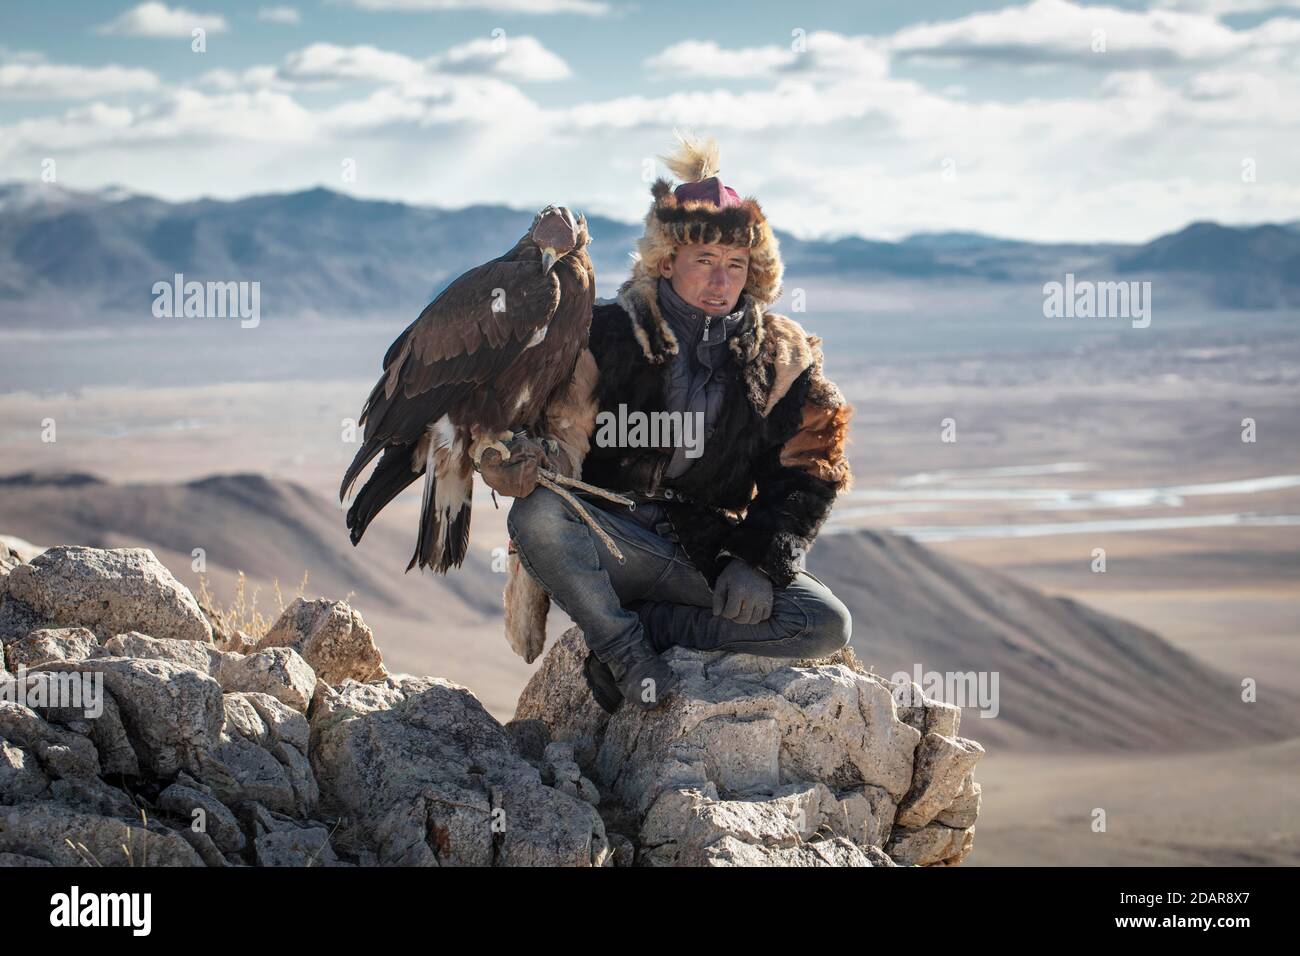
(639, 675)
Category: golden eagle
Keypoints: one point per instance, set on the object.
(484, 359)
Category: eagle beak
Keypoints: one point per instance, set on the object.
(549, 259)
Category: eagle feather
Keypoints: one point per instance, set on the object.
(693, 160)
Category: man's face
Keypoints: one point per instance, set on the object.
(708, 277)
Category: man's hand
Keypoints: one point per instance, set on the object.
(516, 477)
(742, 594)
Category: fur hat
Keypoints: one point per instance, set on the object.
(704, 210)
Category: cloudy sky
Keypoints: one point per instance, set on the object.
(1044, 120)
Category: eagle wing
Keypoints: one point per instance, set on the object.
(463, 340)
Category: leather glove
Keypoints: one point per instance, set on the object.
(516, 477)
(743, 593)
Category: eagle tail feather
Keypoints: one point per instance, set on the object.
(390, 478)
(365, 455)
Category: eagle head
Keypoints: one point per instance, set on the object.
(556, 232)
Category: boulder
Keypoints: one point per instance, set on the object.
(761, 761)
(331, 637)
(190, 753)
(52, 644)
(109, 592)
(203, 812)
(193, 654)
(280, 672)
(18, 619)
(63, 836)
(171, 713)
(425, 775)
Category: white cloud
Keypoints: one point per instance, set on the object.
(830, 140)
(593, 8)
(30, 78)
(186, 116)
(159, 20)
(286, 15)
(707, 58)
(444, 101)
(1058, 31)
(1219, 8)
(521, 58)
(822, 53)
(327, 64)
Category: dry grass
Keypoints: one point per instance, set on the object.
(843, 656)
(242, 613)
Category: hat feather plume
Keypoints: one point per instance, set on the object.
(693, 160)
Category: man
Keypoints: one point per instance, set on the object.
(714, 547)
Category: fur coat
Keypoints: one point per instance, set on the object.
(768, 474)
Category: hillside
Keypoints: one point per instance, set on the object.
(1070, 677)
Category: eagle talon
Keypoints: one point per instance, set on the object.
(482, 444)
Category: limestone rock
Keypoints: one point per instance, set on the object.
(17, 859)
(61, 752)
(18, 619)
(109, 592)
(305, 752)
(63, 836)
(759, 761)
(331, 637)
(280, 672)
(105, 730)
(942, 766)
(961, 813)
(18, 550)
(295, 846)
(21, 776)
(557, 698)
(171, 713)
(241, 765)
(932, 843)
(52, 644)
(194, 654)
(426, 776)
(213, 817)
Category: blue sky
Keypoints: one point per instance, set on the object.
(1049, 119)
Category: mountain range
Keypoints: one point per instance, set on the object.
(69, 259)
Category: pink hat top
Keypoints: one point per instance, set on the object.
(709, 190)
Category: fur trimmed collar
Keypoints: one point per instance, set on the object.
(639, 297)
(772, 350)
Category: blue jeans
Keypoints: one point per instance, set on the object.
(658, 594)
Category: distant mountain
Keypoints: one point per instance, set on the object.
(1247, 266)
(1070, 677)
(314, 252)
(955, 240)
(70, 259)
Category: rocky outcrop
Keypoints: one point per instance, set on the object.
(759, 761)
(128, 737)
(331, 637)
(106, 591)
